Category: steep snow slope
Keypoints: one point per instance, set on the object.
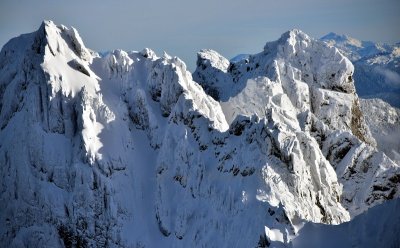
(378, 227)
(377, 66)
(384, 122)
(126, 150)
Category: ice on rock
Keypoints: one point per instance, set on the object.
(128, 150)
(119, 62)
(148, 53)
(77, 44)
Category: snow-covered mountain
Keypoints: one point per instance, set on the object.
(127, 150)
(377, 66)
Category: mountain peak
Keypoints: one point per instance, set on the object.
(59, 39)
(334, 36)
(289, 41)
(295, 33)
(292, 36)
(334, 39)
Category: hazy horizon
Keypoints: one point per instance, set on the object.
(182, 28)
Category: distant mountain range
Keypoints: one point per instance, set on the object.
(377, 66)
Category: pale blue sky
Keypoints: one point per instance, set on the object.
(183, 27)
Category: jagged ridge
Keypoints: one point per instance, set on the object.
(127, 150)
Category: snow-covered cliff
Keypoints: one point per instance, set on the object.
(377, 73)
(127, 150)
(384, 122)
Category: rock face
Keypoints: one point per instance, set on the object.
(126, 150)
